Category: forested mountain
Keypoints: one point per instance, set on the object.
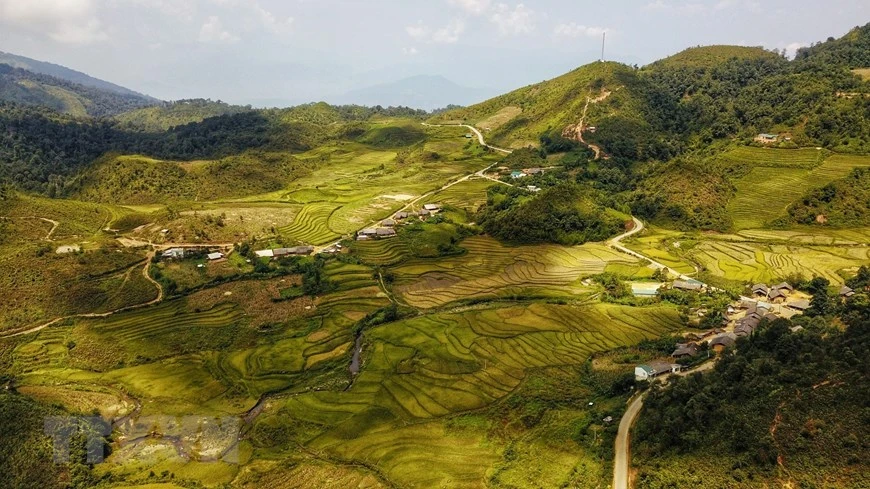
(26, 87)
(64, 73)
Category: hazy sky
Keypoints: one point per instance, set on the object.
(300, 50)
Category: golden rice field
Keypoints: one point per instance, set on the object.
(490, 269)
(763, 262)
(777, 180)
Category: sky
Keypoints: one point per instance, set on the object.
(274, 52)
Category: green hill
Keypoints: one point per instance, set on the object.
(711, 56)
(852, 50)
(170, 114)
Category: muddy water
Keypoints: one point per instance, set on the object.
(357, 350)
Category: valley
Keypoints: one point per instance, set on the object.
(344, 296)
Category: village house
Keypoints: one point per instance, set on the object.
(846, 292)
(385, 232)
(760, 290)
(723, 341)
(767, 138)
(654, 369)
(423, 213)
(432, 207)
(215, 256)
(685, 350)
(401, 215)
(388, 223)
(517, 174)
(776, 296)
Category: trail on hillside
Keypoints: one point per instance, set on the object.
(575, 131)
(145, 274)
(54, 224)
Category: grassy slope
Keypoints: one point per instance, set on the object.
(518, 118)
(161, 118)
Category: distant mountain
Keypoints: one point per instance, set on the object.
(64, 73)
(26, 87)
(420, 92)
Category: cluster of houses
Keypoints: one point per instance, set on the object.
(282, 252)
(387, 229)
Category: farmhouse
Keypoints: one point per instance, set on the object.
(388, 223)
(423, 213)
(723, 341)
(386, 232)
(846, 292)
(174, 253)
(777, 296)
(654, 369)
(215, 256)
(785, 287)
(368, 232)
(264, 253)
(760, 290)
(401, 215)
(432, 207)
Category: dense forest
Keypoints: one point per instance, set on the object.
(796, 391)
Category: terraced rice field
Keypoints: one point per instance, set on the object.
(490, 269)
(311, 225)
(432, 366)
(381, 252)
(766, 192)
(805, 158)
(759, 262)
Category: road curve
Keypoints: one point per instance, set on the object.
(473, 129)
(621, 450)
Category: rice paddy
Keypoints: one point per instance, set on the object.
(490, 270)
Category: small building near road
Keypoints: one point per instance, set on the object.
(517, 174)
(432, 207)
(423, 213)
(386, 232)
(264, 253)
(173, 253)
(215, 256)
(401, 215)
(388, 223)
(654, 369)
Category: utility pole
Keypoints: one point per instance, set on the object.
(603, 38)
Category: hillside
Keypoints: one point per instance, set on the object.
(25, 87)
(842, 203)
(852, 50)
(177, 113)
(706, 57)
(797, 396)
(64, 73)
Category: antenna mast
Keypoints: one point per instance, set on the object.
(603, 38)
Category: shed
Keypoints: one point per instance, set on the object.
(432, 207)
(281, 252)
(801, 305)
(386, 232)
(388, 223)
(368, 232)
(689, 285)
(784, 286)
(264, 253)
(215, 256)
